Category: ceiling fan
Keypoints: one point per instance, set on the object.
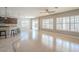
(49, 11)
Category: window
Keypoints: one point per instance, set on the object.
(47, 23)
(25, 23)
(72, 23)
(59, 24)
(66, 23)
(50, 23)
(77, 23)
(35, 24)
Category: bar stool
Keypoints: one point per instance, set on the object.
(3, 31)
(13, 32)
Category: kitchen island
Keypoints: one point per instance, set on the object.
(8, 29)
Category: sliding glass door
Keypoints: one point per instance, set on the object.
(35, 25)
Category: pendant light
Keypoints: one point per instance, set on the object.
(5, 12)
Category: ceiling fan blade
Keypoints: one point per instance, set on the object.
(43, 12)
(51, 11)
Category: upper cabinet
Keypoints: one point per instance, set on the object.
(11, 21)
(2, 20)
(8, 20)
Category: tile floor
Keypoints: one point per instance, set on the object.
(39, 41)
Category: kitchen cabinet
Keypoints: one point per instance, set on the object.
(8, 20)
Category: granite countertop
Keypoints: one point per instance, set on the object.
(3, 26)
(7, 26)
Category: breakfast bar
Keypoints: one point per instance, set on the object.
(3, 31)
(8, 30)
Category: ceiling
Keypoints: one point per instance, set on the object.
(31, 12)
